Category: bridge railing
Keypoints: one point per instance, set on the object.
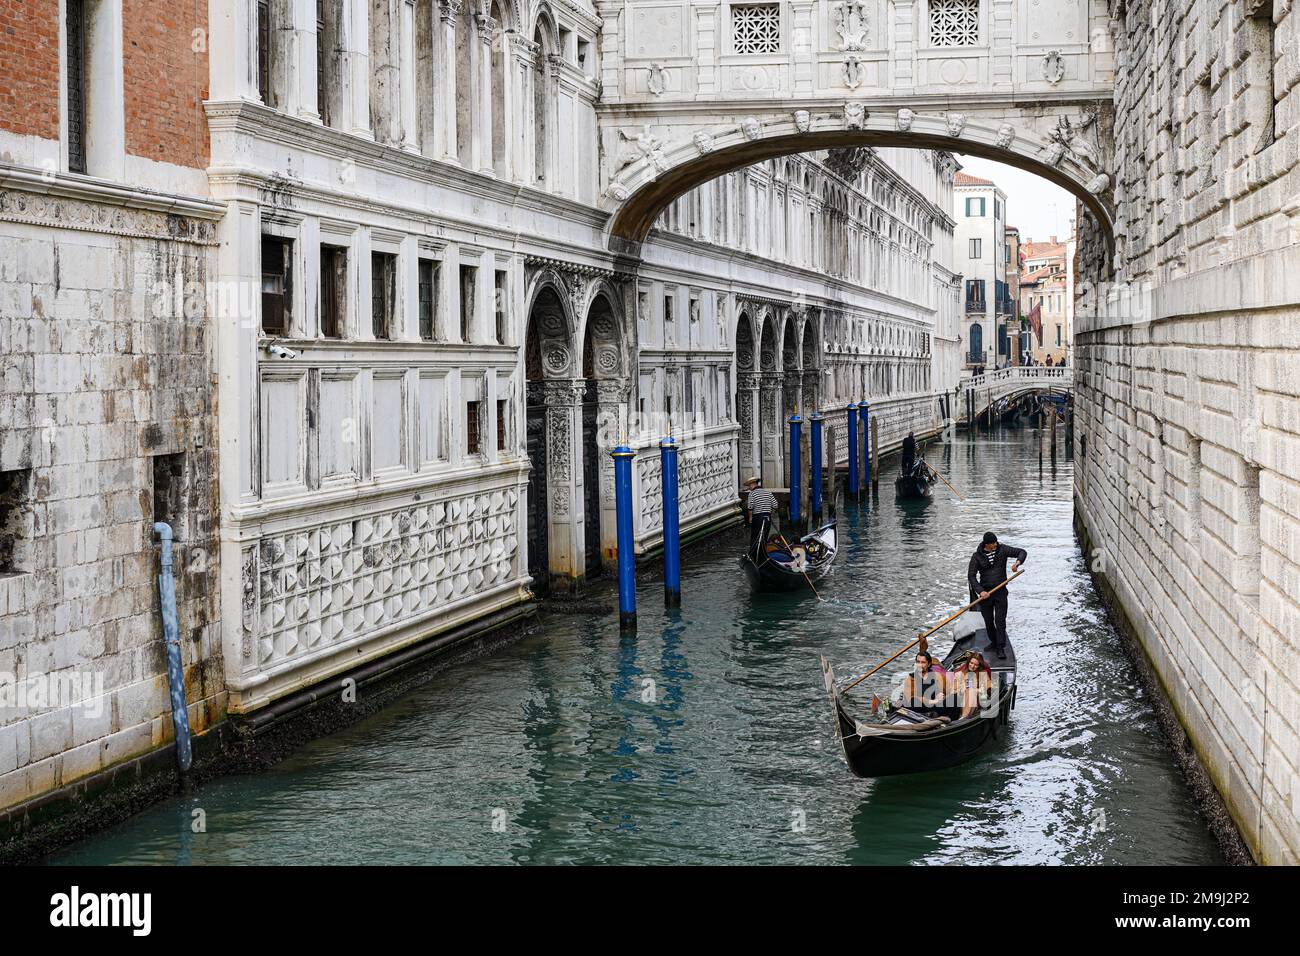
(1022, 374)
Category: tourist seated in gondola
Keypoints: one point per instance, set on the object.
(925, 689)
(971, 684)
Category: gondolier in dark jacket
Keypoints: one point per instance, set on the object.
(909, 454)
(988, 569)
(760, 505)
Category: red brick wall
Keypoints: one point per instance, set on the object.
(165, 80)
(29, 67)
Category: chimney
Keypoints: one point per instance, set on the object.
(1054, 242)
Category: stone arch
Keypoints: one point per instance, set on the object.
(603, 425)
(663, 169)
(552, 422)
(747, 402)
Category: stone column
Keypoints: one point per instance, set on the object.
(486, 28)
(747, 406)
(611, 414)
(358, 45)
(406, 79)
(770, 406)
(445, 85)
(801, 16)
(234, 75)
(302, 95)
(564, 481)
(903, 47)
(525, 54)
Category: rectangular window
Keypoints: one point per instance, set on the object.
(333, 290)
(974, 206)
(468, 290)
(503, 415)
(756, 28)
(584, 57)
(16, 521)
(976, 248)
(383, 293)
(1058, 335)
(954, 22)
(428, 281)
(264, 51)
(473, 428)
(277, 285)
(75, 24)
(502, 301)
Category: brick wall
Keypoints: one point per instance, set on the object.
(29, 67)
(165, 80)
(1188, 394)
(102, 372)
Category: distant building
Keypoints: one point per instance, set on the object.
(1016, 331)
(1045, 284)
(979, 208)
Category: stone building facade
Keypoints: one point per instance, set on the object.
(350, 320)
(980, 211)
(108, 386)
(1187, 347)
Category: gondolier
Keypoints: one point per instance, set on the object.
(760, 504)
(909, 453)
(988, 569)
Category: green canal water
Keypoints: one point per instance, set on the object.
(707, 737)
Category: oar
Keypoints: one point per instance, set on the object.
(946, 482)
(929, 632)
(781, 538)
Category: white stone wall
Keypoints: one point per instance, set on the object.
(1188, 399)
(107, 374)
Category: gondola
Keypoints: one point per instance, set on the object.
(910, 742)
(917, 484)
(777, 571)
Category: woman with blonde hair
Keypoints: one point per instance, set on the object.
(971, 683)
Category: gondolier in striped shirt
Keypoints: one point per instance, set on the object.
(988, 569)
(760, 504)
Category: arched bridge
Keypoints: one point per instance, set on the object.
(984, 390)
(691, 91)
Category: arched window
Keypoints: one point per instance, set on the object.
(976, 342)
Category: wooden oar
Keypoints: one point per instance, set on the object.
(929, 632)
(781, 538)
(946, 482)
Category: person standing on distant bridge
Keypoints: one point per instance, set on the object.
(988, 569)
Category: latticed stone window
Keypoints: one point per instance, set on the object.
(954, 22)
(756, 28)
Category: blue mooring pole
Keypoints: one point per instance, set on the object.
(815, 466)
(623, 456)
(796, 478)
(172, 638)
(853, 448)
(864, 415)
(672, 535)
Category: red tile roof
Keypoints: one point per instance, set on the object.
(965, 179)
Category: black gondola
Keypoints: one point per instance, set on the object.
(777, 570)
(910, 742)
(917, 484)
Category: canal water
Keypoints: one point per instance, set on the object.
(707, 737)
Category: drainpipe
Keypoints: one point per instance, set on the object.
(171, 635)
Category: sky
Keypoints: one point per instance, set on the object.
(1039, 209)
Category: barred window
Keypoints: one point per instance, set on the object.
(756, 28)
(954, 22)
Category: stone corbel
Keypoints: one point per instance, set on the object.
(448, 11)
